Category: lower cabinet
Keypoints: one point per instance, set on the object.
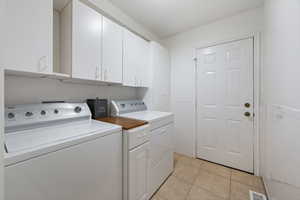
(161, 156)
(139, 173)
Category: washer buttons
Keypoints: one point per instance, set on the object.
(10, 115)
(28, 114)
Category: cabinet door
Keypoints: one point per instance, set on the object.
(27, 36)
(112, 52)
(139, 172)
(130, 59)
(87, 28)
(144, 64)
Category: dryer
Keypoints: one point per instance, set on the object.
(161, 142)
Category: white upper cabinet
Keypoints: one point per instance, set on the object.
(136, 60)
(87, 29)
(27, 36)
(130, 58)
(76, 39)
(144, 65)
(112, 52)
(92, 45)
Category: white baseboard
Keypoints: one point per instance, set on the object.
(267, 189)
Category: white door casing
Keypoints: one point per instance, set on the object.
(224, 85)
(1, 133)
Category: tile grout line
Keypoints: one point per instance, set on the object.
(210, 192)
(201, 167)
(192, 185)
(209, 172)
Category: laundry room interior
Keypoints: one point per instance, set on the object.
(149, 100)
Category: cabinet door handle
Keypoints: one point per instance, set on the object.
(43, 64)
(135, 81)
(105, 74)
(96, 73)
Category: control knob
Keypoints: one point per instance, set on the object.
(77, 109)
(11, 115)
(28, 114)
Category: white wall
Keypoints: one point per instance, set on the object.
(22, 90)
(282, 83)
(182, 50)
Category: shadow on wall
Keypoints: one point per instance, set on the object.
(22, 90)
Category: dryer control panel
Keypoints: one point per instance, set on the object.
(122, 107)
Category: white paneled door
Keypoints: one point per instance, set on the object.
(225, 122)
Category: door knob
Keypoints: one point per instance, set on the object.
(247, 114)
(247, 105)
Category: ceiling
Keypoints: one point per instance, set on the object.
(168, 17)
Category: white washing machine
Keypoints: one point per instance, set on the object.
(56, 152)
(160, 138)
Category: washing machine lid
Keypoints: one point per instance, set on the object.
(147, 115)
(46, 136)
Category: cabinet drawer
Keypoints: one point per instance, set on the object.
(138, 136)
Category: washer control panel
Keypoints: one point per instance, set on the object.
(36, 113)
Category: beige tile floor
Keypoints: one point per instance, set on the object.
(195, 179)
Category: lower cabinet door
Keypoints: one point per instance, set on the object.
(139, 173)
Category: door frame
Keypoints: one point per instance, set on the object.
(1, 133)
(256, 95)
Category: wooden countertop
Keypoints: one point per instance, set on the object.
(126, 123)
